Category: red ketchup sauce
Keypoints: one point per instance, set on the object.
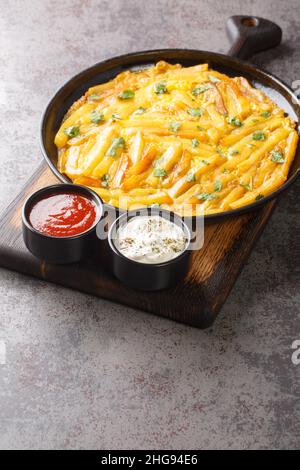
(63, 214)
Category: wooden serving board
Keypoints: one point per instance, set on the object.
(195, 301)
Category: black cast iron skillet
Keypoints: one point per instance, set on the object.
(248, 35)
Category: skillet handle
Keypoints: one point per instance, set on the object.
(251, 34)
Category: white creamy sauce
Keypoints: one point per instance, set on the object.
(150, 239)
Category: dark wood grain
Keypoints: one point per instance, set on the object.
(196, 301)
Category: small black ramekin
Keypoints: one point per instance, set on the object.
(144, 276)
(60, 250)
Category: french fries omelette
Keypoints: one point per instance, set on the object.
(189, 139)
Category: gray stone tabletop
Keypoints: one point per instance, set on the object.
(81, 372)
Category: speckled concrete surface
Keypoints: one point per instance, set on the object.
(84, 373)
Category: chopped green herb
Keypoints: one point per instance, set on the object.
(201, 89)
(157, 162)
(234, 152)
(195, 143)
(105, 181)
(160, 88)
(206, 196)
(277, 157)
(72, 131)
(218, 185)
(249, 186)
(213, 79)
(196, 112)
(93, 97)
(258, 135)
(117, 143)
(160, 172)
(234, 121)
(259, 196)
(190, 177)
(225, 170)
(96, 116)
(175, 126)
(266, 114)
(126, 95)
(115, 116)
(200, 128)
(140, 110)
(205, 161)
